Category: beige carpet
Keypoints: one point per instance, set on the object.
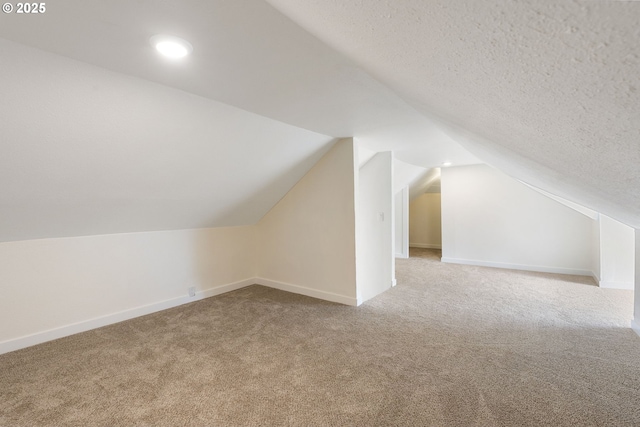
(449, 346)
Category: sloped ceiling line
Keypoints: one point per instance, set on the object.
(545, 91)
(553, 82)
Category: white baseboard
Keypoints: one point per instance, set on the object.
(635, 325)
(394, 282)
(616, 285)
(538, 268)
(223, 289)
(314, 293)
(109, 319)
(425, 245)
(399, 255)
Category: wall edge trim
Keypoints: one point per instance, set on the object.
(425, 245)
(607, 284)
(635, 325)
(117, 317)
(523, 267)
(314, 293)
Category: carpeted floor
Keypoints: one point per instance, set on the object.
(450, 345)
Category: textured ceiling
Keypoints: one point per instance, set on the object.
(100, 135)
(548, 91)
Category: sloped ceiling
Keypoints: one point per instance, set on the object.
(88, 151)
(246, 54)
(98, 134)
(548, 91)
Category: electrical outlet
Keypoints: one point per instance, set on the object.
(192, 291)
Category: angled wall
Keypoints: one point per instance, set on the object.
(491, 219)
(115, 154)
(635, 323)
(595, 249)
(306, 242)
(374, 227)
(57, 287)
(617, 254)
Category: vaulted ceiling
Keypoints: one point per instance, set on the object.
(88, 151)
(100, 135)
(548, 91)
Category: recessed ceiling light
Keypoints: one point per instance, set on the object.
(171, 47)
(447, 164)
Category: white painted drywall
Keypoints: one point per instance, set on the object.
(617, 254)
(364, 154)
(424, 184)
(491, 219)
(547, 90)
(307, 240)
(401, 222)
(568, 203)
(425, 221)
(405, 174)
(374, 227)
(109, 153)
(595, 248)
(57, 287)
(635, 323)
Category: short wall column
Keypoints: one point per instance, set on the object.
(635, 323)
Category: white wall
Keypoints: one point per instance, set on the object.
(374, 228)
(595, 248)
(617, 254)
(306, 244)
(401, 222)
(425, 221)
(115, 154)
(635, 323)
(307, 240)
(56, 287)
(491, 219)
